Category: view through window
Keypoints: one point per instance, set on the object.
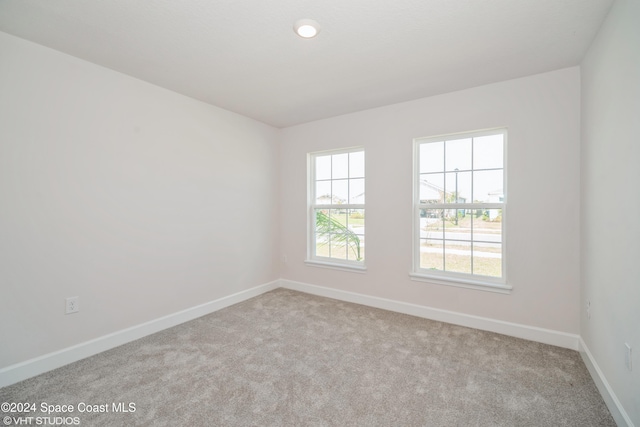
(459, 206)
(336, 212)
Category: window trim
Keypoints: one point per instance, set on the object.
(449, 278)
(320, 261)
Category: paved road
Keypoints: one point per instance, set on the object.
(478, 238)
(476, 254)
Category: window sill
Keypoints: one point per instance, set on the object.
(478, 285)
(337, 266)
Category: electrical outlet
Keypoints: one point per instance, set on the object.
(72, 305)
(627, 356)
(588, 309)
(284, 259)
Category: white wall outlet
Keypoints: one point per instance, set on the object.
(588, 309)
(72, 305)
(627, 356)
(284, 259)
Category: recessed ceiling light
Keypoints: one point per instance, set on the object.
(306, 28)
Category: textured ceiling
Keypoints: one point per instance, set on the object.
(244, 56)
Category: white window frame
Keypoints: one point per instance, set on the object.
(320, 261)
(464, 280)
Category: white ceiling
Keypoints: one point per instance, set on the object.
(243, 55)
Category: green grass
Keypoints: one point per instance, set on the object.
(462, 264)
(338, 251)
(354, 219)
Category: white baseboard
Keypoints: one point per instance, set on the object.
(615, 407)
(532, 333)
(30, 368)
(27, 369)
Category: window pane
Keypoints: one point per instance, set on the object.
(340, 166)
(458, 187)
(432, 157)
(322, 232)
(354, 248)
(487, 259)
(362, 256)
(322, 248)
(322, 221)
(457, 257)
(488, 186)
(457, 227)
(340, 191)
(356, 222)
(488, 152)
(458, 154)
(355, 234)
(432, 188)
(487, 226)
(431, 256)
(323, 167)
(322, 226)
(356, 191)
(323, 192)
(431, 225)
(338, 246)
(338, 220)
(356, 164)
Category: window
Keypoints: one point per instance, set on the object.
(460, 209)
(336, 208)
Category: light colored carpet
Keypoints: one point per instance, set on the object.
(287, 358)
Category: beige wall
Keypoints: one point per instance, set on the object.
(611, 201)
(140, 201)
(542, 116)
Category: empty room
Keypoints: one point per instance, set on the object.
(296, 213)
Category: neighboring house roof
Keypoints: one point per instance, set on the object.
(430, 193)
(496, 195)
(326, 198)
(358, 200)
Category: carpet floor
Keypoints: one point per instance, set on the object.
(287, 358)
